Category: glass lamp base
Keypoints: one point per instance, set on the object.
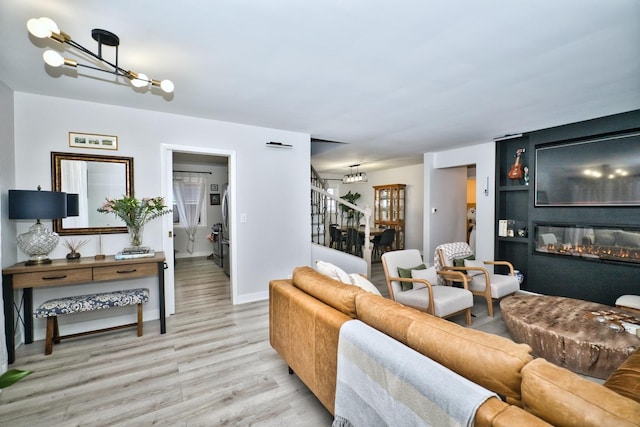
(37, 243)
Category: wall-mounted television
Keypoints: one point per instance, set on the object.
(600, 171)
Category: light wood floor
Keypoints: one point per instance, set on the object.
(214, 367)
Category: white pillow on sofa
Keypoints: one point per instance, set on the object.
(361, 282)
(333, 271)
(474, 263)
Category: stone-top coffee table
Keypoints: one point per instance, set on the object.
(567, 332)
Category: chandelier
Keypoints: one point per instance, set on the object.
(43, 28)
(352, 178)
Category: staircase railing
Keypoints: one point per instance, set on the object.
(340, 214)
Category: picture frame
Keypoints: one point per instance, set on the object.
(214, 198)
(214, 187)
(93, 140)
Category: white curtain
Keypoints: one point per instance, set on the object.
(189, 192)
(74, 176)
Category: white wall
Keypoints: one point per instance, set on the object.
(202, 246)
(7, 227)
(272, 184)
(483, 156)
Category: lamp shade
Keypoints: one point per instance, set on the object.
(28, 204)
(73, 204)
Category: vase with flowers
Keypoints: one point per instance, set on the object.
(135, 213)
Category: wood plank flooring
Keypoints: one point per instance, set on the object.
(214, 367)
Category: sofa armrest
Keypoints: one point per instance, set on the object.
(562, 397)
(626, 379)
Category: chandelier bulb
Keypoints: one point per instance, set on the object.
(139, 80)
(53, 58)
(42, 27)
(167, 86)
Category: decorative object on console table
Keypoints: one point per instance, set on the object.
(27, 204)
(516, 172)
(134, 252)
(73, 247)
(135, 213)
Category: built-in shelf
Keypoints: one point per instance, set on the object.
(514, 239)
(513, 188)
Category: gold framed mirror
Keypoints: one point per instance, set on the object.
(94, 178)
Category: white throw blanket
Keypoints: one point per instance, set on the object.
(382, 382)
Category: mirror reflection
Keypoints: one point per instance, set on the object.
(93, 178)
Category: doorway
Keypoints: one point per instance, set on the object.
(201, 154)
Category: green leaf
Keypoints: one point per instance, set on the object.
(12, 376)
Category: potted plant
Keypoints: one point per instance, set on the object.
(352, 216)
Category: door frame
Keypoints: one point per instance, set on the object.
(166, 156)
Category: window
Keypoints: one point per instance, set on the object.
(191, 192)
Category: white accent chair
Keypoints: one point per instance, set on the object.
(425, 294)
(481, 282)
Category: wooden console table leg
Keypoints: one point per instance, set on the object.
(9, 317)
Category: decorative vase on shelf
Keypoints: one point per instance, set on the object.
(135, 213)
(135, 234)
(519, 276)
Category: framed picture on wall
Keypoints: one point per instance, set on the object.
(214, 187)
(214, 198)
(88, 140)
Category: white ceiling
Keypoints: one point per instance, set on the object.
(391, 80)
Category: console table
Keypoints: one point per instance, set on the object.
(61, 272)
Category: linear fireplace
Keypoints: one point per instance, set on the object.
(596, 243)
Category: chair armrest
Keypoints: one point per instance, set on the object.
(505, 263)
(410, 280)
(429, 287)
(450, 268)
(457, 276)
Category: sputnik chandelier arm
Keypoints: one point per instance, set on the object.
(45, 28)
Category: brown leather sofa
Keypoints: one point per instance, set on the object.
(307, 311)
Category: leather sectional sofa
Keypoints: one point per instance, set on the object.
(307, 311)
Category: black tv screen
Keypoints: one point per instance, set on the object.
(603, 171)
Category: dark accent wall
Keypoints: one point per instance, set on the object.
(571, 276)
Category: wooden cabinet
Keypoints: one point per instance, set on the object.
(389, 210)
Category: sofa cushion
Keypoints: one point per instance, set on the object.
(459, 262)
(474, 263)
(428, 274)
(331, 292)
(332, 271)
(405, 273)
(562, 397)
(361, 282)
(489, 360)
(626, 379)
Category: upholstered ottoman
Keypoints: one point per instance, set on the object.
(566, 332)
(53, 308)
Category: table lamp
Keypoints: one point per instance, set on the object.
(28, 204)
